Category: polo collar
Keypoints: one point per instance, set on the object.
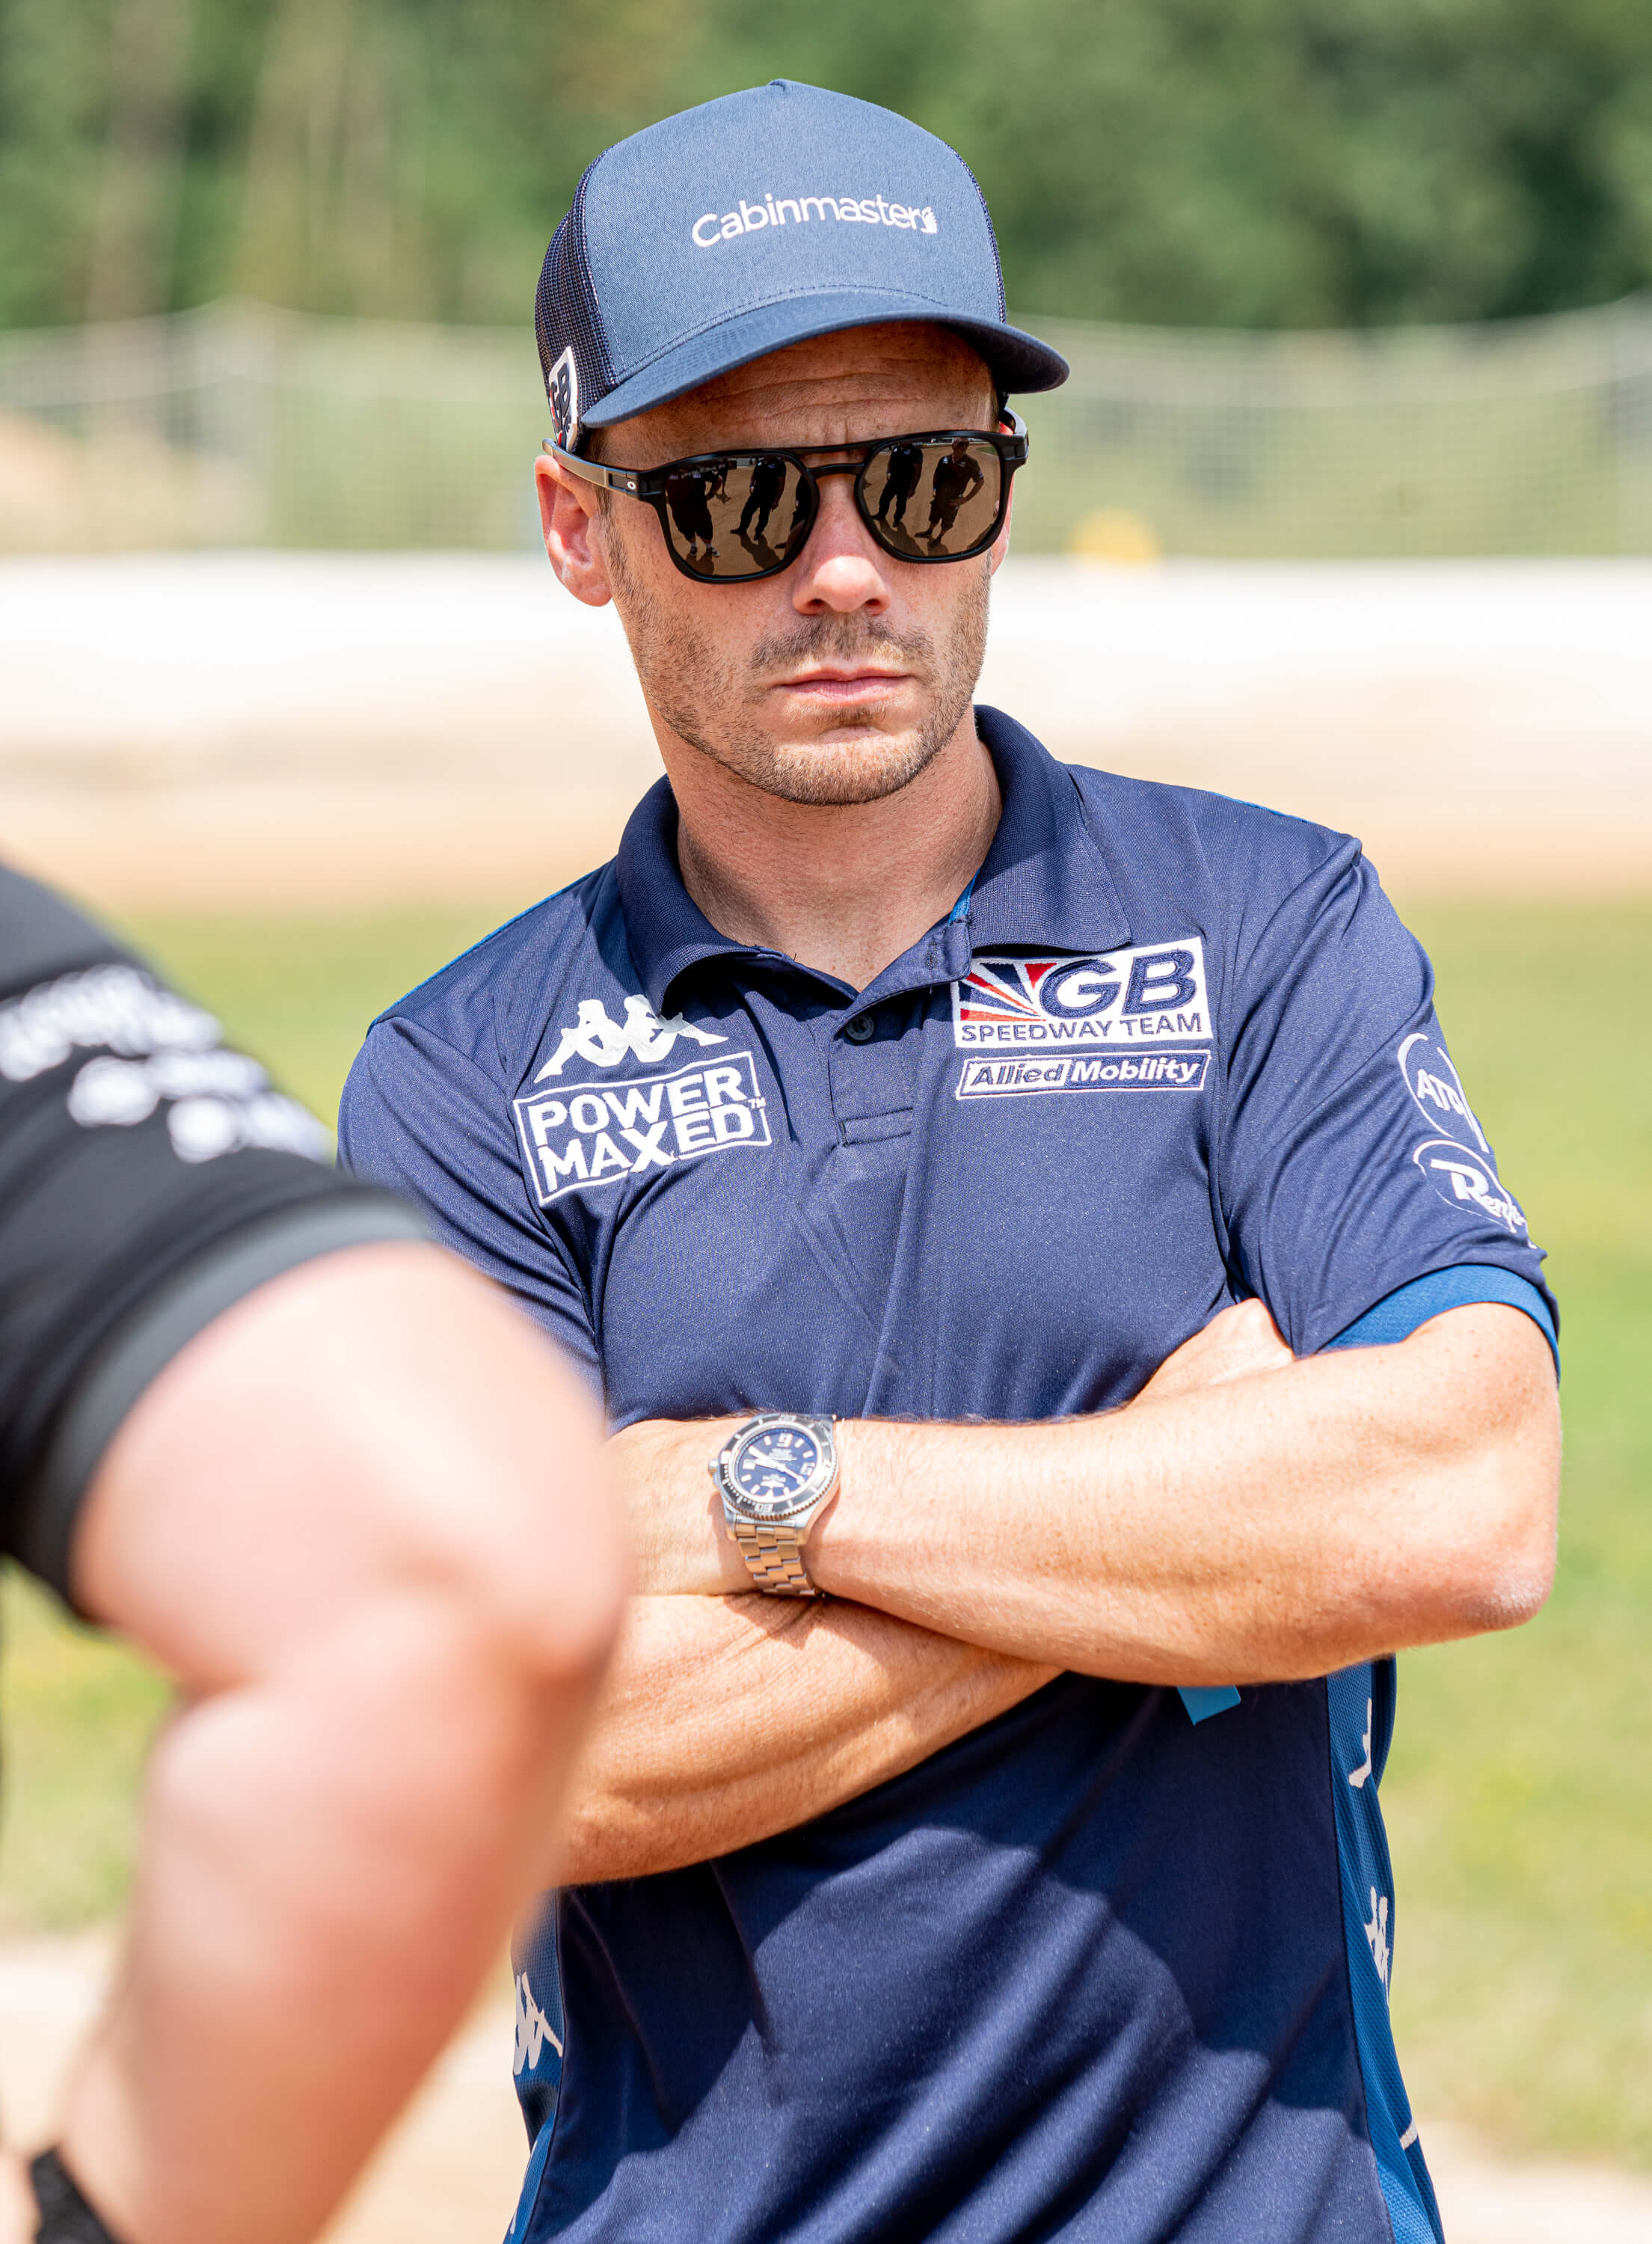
(1045, 883)
(667, 930)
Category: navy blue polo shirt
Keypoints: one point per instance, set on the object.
(1116, 1966)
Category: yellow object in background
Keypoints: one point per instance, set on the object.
(1114, 534)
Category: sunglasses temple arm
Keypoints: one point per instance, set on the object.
(591, 471)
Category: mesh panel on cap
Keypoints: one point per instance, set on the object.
(992, 236)
(565, 309)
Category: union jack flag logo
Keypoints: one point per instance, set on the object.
(1003, 988)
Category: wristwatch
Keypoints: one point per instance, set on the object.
(775, 1474)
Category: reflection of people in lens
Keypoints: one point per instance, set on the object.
(768, 481)
(957, 477)
(802, 507)
(902, 467)
(689, 494)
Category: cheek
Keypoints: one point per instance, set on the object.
(949, 604)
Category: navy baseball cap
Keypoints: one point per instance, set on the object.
(755, 221)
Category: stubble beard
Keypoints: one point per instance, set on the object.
(709, 700)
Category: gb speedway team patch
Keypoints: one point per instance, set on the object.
(1149, 996)
(1083, 1021)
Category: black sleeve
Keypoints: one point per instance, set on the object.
(149, 1179)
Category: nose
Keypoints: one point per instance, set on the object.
(839, 571)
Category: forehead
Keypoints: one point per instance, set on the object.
(864, 382)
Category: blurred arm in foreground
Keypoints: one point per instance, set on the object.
(348, 1497)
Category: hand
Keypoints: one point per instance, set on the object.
(680, 1543)
(1240, 1343)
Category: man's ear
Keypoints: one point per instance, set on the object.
(568, 511)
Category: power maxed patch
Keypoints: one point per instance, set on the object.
(598, 1133)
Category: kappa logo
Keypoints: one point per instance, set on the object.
(1153, 994)
(533, 2030)
(603, 1043)
(1433, 1083)
(1358, 1777)
(598, 1133)
(1377, 1936)
(1467, 1182)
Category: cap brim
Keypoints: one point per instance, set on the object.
(1018, 362)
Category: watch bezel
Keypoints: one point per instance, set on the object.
(808, 1498)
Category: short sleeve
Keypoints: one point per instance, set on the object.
(150, 1179)
(421, 1118)
(1350, 1161)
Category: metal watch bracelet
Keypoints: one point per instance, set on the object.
(773, 1556)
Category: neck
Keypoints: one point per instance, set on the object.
(842, 889)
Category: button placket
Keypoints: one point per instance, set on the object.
(870, 1077)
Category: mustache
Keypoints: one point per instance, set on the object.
(841, 638)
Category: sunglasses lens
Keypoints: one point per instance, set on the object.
(934, 498)
(736, 515)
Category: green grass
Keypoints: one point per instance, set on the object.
(1518, 1794)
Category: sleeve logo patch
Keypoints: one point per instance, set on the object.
(1434, 1085)
(1468, 1182)
(1118, 1070)
(596, 1133)
(1154, 993)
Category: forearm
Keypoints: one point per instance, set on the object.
(726, 1719)
(1277, 1526)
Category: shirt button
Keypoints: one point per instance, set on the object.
(859, 1031)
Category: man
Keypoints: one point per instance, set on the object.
(957, 478)
(690, 493)
(906, 465)
(342, 1491)
(768, 481)
(1051, 1130)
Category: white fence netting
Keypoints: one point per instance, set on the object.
(240, 425)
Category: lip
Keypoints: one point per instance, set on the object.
(842, 685)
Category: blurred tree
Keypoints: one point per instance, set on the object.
(135, 234)
(1230, 162)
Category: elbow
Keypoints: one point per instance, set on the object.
(1496, 1570)
(1509, 1587)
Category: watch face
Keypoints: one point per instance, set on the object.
(772, 1471)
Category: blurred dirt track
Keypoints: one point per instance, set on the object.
(346, 732)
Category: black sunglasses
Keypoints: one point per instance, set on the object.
(731, 518)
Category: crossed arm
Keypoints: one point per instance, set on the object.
(1249, 1518)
